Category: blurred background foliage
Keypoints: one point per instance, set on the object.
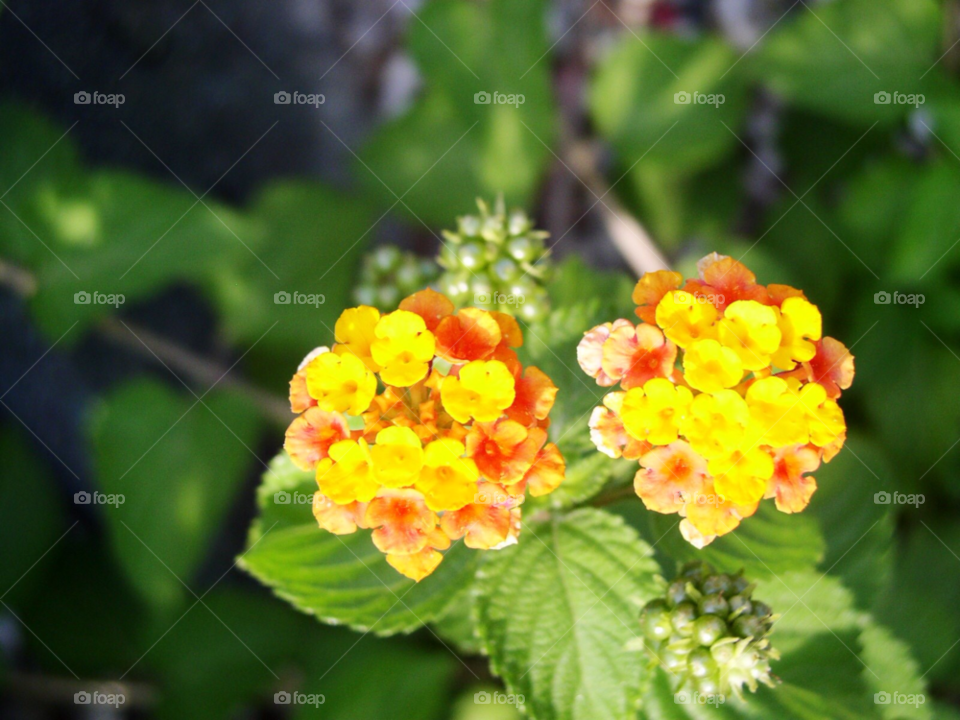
(176, 398)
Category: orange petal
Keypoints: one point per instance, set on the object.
(504, 450)
(471, 334)
(402, 521)
(832, 366)
(509, 329)
(337, 519)
(547, 471)
(310, 436)
(789, 485)
(535, 395)
(300, 399)
(778, 293)
(415, 566)
(731, 279)
(430, 305)
(481, 526)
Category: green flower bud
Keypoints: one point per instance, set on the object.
(387, 275)
(709, 634)
(504, 255)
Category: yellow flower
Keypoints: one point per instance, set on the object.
(447, 481)
(654, 412)
(346, 476)
(685, 318)
(799, 322)
(340, 383)
(397, 457)
(824, 416)
(777, 416)
(716, 423)
(354, 333)
(403, 348)
(710, 367)
(484, 389)
(741, 476)
(750, 330)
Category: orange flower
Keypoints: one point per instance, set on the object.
(482, 526)
(471, 334)
(650, 290)
(402, 521)
(504, 450)
(535, 395)
(669, 477)
(430, 305)
(590, 351)
(789, 485)
(338, 519)
(634, 355)
(832, 366)
(730, 279)
(546, 473)
(310, 436)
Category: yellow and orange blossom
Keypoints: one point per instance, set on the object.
(738, 404)
(423, 452)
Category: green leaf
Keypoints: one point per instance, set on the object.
(833, 58)
(858, 531)
(314, 241)
(458, 624)
(177, 463)
(766, 544)
(31, 518)
(448, 150)
(342, 579)
(556, 611)
(919, 604)
(633, 100)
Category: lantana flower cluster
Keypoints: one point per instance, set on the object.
(728, 395)
(423, 425)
